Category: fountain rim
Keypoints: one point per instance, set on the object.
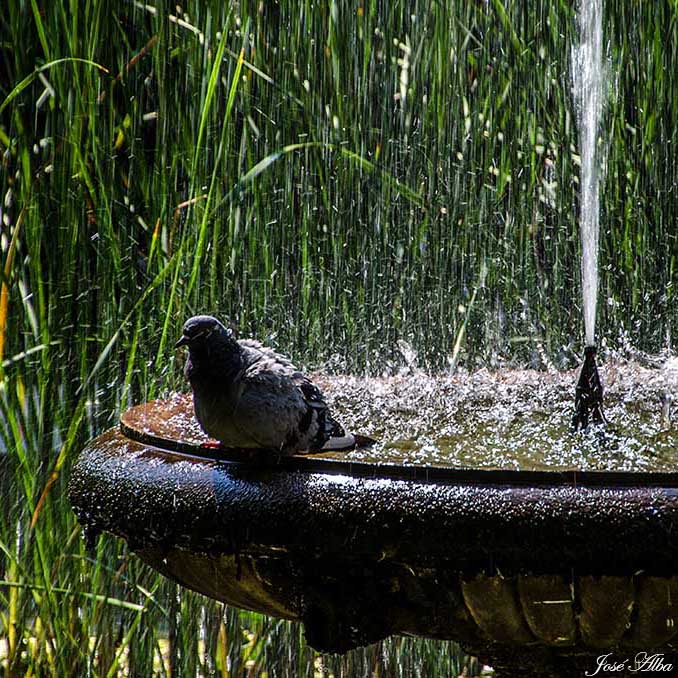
(319, 463)
(198, 501)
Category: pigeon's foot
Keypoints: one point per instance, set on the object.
(212, 445)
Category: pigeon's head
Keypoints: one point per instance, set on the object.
(202, 331)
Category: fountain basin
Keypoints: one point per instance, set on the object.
(557, 564)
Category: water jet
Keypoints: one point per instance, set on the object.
(588, 79)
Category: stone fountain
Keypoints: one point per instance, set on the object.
(530, 566)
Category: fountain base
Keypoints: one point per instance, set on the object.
(543, 569)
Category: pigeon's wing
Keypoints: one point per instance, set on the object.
(254, 352)
(315, 403)
(268, 409)
(289, 408)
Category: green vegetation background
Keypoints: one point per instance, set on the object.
(332, 177)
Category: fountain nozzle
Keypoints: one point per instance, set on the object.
(588, 398)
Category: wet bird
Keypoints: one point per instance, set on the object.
(246, 395)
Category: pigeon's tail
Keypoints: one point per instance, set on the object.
(339, 439)
(345, 442)
(348, 441)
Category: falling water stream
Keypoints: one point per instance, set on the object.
(587, 78)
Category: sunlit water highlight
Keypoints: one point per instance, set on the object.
(587, 78)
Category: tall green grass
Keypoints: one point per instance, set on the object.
(332, 177)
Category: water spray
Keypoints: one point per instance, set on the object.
(588, 77)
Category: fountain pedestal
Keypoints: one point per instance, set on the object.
(559, 567)
(588, 401)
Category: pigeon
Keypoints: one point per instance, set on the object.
(247, 395)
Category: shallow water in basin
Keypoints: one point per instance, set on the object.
(508, 419)
(512, 419)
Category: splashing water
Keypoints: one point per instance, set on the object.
(510, 419)
(587, 80)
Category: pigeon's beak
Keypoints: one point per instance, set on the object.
(184, 341)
